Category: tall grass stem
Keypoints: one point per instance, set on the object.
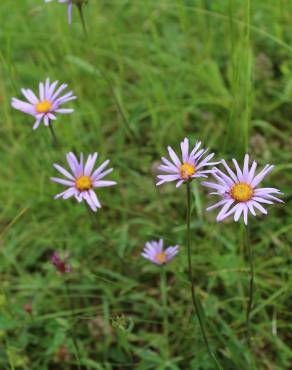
(195, 299)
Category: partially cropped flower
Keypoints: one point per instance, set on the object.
(154, 252)
(47, 104)
(240, 192)
(61, 263)
(83, 179)
(70, 6)
(191, 166)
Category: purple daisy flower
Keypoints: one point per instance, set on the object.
(70, 8)
(48, 103)
(240, 190)
(61, 266)
(190, 167)
(153, 251)
(83, 179)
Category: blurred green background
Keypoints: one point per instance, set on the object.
(218, 71)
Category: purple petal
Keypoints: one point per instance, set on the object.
(63, 182)
(89, 201)
(229, 170)
(224, 210)
(99, 170)
(257, 179)
(174, 157)
(218, 204)
(89, 164)
(100, 184)
(94, 199)
(239, 209)
(245, 214)
(64, 172)
(185, 150)
(58, 92)
(73, 162)
(238, 170)
(70, 10)
(64, 111)
(51, 90)
(193, 152)
(251, 172)
(245, 168)
(259, 207)
(169, 164)
(250, 207)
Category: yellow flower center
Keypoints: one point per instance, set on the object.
(43, 106)
(187, 170)
(161, 257)
(83, 183)
(241, 192)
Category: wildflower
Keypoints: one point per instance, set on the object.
(191, 166)
(82, 180)
(154, 252)
(44, 106)
(61, 264)
(241, 190)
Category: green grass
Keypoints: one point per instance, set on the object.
(218, 71)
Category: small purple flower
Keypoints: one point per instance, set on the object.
(83, 179)
(70, 8)
(61, 266)
(190, 167)
(44, 106)
(153, 251)
(240, 189)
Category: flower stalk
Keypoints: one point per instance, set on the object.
(164, 299)
(195, 299)
(54, 136)
(251, 285)
(81, 15)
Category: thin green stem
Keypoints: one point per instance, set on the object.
(195, 299)
(251, 286)
(163, 289)
(80, 9)
(75, 343)
(54, 136)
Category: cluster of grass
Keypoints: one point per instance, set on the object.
(218, 71)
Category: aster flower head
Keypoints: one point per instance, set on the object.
(240, 192)
(83, 179)
(191, 166)
(47, 104)
(154, 252)
(61, 263)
